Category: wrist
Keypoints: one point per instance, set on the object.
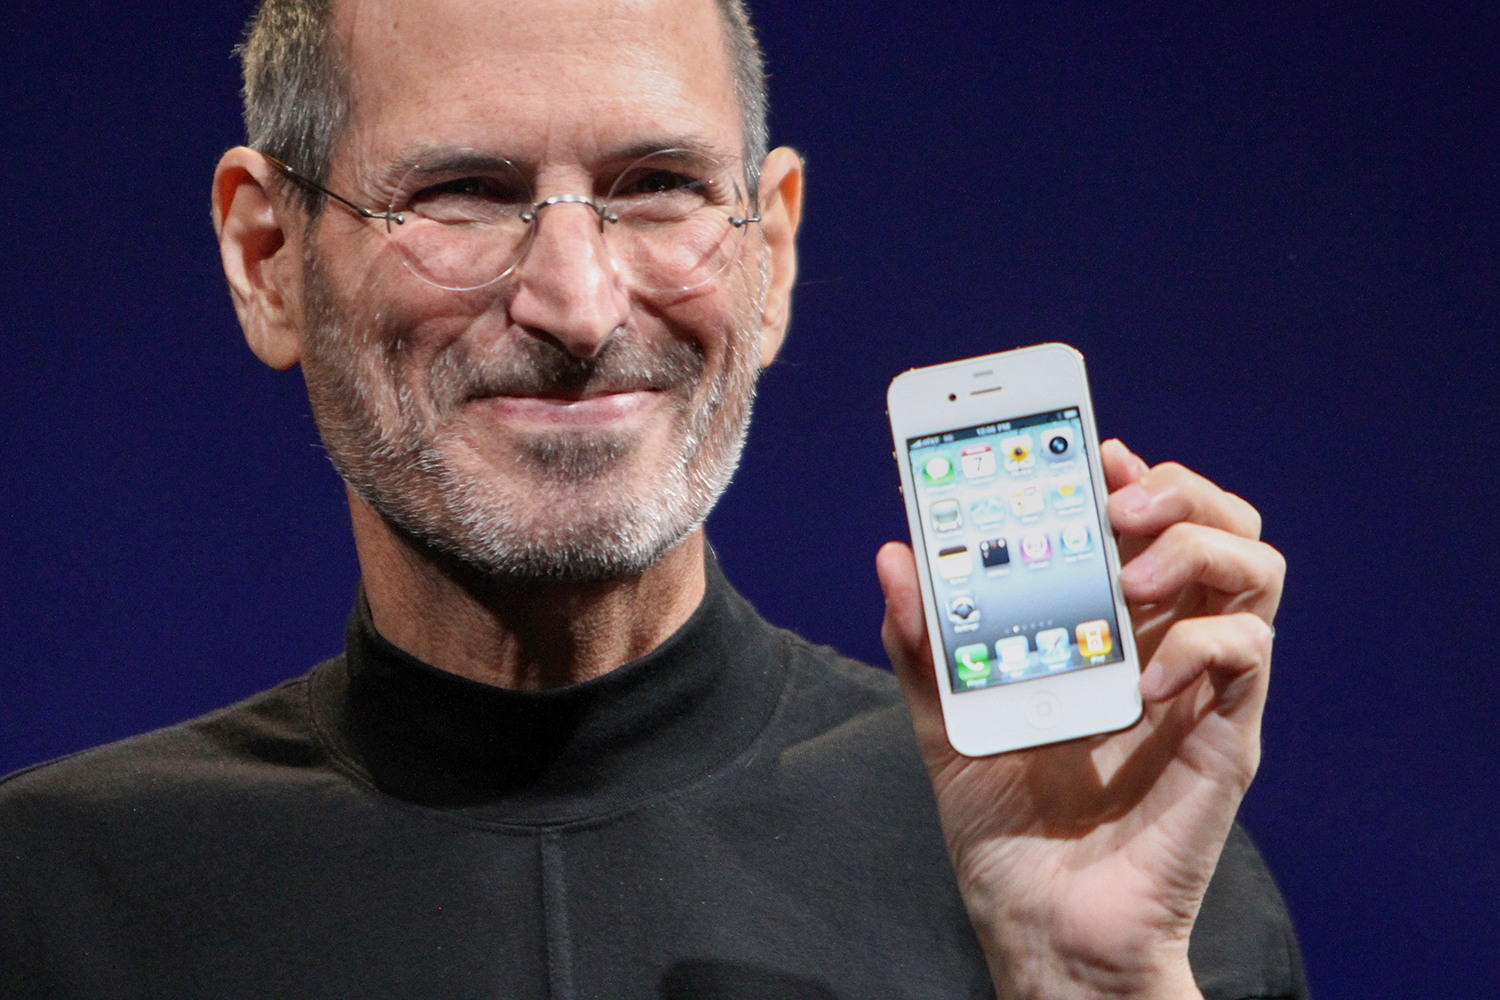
(1030, 961)
(1056, 978)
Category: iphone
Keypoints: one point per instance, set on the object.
(1005, 497)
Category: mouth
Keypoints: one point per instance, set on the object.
(592, 408)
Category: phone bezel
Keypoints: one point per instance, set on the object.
(976, 391)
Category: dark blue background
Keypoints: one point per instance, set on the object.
(1271, 229)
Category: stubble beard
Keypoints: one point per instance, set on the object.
(582, 505)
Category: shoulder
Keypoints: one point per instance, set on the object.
(842, 734)
(265, 730)
(832, 701)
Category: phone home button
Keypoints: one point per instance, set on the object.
(1043, 710)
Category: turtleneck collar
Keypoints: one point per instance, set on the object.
(436, 739)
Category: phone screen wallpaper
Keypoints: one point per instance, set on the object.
(1011, 534)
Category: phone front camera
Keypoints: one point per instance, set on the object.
(952, 397)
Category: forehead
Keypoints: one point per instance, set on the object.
(540, 80)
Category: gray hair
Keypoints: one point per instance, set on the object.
(296, 89)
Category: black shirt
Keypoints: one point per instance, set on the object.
(738, 814)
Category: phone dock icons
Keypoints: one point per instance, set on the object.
(1052, 647)
(1094, 639)
(1012, 652)
(972, 664)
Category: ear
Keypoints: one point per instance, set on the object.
(260, 248)
(780, 212)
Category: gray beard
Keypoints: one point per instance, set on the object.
(391, 452)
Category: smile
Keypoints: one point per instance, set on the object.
(592, 411)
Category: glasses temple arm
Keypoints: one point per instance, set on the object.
(387, 217)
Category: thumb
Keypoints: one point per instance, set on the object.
(904, 633)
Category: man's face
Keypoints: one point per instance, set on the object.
(562, 421)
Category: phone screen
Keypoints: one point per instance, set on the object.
(1012, 531)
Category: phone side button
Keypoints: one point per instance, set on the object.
(1043, 710)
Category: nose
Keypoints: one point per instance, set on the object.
(566, 285)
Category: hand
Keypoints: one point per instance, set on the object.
(1083, 864)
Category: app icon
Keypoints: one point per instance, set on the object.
(1059, 443)
(1067, 495)
(978, 461)
(994, 552)
(973, 663)
(1012, 652)
(1027, 501)
(1017, 451)
(1075, 539)
(945, 516)
(1093, 638)
(963, 612)
(1052, 645)
(938, 471)
(987, 512)
(954, 562)
(1036, 547)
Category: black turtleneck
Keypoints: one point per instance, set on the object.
(737, 814)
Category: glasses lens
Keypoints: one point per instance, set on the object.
(465, 220)
(677, 220)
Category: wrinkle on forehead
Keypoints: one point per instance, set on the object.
(541, 80)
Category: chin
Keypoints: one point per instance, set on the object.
(582, 508)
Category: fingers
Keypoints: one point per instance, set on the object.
(904, 631)
(1248, 573)
(1169, 493)
(1234, 651)
(1121, 465)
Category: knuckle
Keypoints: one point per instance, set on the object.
(1184, 534)
(1256, 632)
(1249, 519)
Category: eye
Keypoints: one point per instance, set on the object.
(647, 181)
(473, 199)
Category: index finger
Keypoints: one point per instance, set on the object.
(1169, 493)
(1121, 465)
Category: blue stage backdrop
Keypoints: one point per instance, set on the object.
(1272, 228)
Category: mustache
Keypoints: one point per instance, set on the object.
(537, 367)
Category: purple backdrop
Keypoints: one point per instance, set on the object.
(1272, 230)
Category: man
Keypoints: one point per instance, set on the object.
(530, 257)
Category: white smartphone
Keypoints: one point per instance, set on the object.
(1004, 491)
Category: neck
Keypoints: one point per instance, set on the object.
(523, 636)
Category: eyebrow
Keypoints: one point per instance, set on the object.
(439, 160)
(691, 145)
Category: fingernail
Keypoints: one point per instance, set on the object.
(1153, 679)
(1141, 570)
(1131, 499)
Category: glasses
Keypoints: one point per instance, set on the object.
(673, 220)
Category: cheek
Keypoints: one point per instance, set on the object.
(722, 321)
